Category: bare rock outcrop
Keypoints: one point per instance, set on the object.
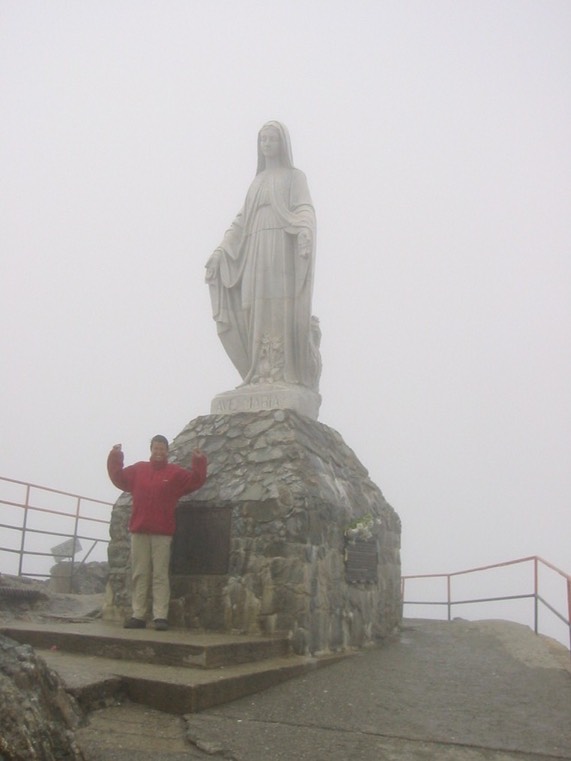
(37, 716)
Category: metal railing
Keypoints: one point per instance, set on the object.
(26, 529)
(538, 564)
(26, 520)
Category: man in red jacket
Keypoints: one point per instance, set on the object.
(156, 486)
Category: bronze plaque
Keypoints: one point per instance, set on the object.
(201, 544)
(361, 562)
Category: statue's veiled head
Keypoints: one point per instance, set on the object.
(273, 129)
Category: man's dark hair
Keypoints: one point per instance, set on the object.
(160, 440)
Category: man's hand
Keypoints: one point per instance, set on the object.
(304, 243)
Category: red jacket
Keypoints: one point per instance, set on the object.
(156, 489)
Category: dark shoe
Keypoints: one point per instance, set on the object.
(134, 623)
(161, 625)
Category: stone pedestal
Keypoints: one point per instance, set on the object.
(292, 490)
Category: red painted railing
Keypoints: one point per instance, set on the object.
(31, 514)
(538, 599)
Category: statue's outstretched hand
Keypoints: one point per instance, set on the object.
(213, 265)
(304, 243)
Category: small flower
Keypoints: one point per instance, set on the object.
(362, 528)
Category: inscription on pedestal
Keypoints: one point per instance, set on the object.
(246, 404)
(201, 544)
(267, 396)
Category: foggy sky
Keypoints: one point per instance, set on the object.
(435, 139)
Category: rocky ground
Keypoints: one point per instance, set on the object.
(29, 600)
(38, 719)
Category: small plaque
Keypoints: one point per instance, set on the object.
(361, 560)
(66, 550)
(201, 544)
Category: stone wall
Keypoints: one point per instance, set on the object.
(293, 487)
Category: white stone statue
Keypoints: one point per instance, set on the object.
(261, 275)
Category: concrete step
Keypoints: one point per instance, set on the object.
(97, 682)
(171, 648)
(178, 672)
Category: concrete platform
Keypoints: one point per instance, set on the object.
(460, 691)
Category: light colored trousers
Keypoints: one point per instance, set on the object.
(150, 560)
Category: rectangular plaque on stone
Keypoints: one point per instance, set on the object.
(361, 561)
(201, 544)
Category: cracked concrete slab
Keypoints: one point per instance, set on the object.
(460, 691)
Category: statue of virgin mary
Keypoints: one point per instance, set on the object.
(261, 275)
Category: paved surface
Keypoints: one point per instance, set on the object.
(460, 691)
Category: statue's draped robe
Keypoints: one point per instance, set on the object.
(261, 296)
